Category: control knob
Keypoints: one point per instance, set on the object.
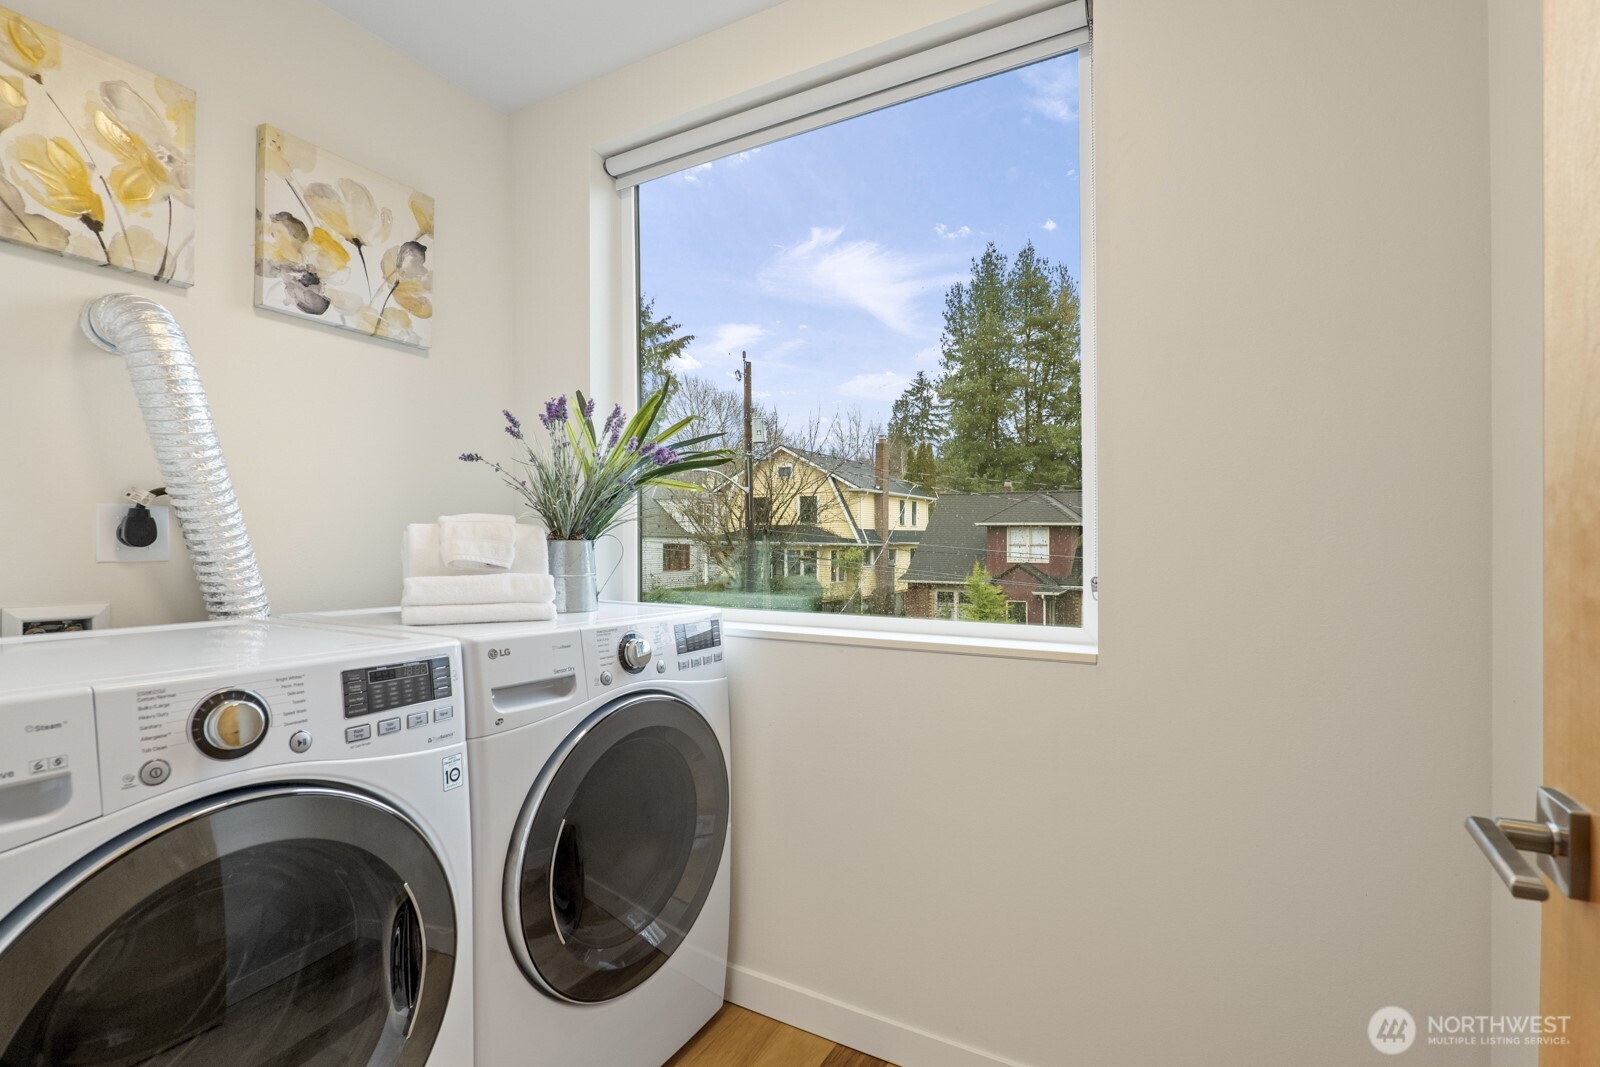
(229, 724)
(634, 653)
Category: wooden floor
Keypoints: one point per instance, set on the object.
(737, 1037)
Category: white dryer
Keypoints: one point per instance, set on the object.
(239, 843)
(600, 805)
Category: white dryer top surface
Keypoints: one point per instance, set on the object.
(609, 615)
(28, 663)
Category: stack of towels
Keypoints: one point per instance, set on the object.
(475, 568)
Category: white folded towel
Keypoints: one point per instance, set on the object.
(473, 542)
(419, 552)
(445, 614)
(434, 590)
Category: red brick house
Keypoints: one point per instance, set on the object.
(1031, 544)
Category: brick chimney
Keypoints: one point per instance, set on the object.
(883, 584)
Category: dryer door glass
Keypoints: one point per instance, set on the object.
(617, 848)
(280, 925)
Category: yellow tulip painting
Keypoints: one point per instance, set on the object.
(340, 245)
(96, 155)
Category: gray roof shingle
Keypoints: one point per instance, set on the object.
(860, 475)
(957, 533)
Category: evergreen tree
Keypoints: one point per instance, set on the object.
(916, 426)
(981, 600)
(1013, 409)
(659, 341)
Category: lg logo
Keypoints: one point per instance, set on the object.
(496, 653)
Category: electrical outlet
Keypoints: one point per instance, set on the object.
(107, 549)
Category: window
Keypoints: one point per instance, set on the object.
(1018, 610)
(1028, 544)
(839, 569)
(854, 322)
(675, 557)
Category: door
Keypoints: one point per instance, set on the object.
(616, 849)
(1570, 959)
(281, 925)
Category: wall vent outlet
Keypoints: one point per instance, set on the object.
(54, 619)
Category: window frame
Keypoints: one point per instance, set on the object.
(1005, 640)
(1029, 552)
(688, 557)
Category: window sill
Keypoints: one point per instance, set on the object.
(752, 625)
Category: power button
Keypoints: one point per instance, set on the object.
(155, 772)
(454, 772)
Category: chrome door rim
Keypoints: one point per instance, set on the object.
(516, 855)
(27, 915)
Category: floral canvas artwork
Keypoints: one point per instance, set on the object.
(96, 155)
(340, 245)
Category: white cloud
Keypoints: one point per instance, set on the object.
(1049, 225)
(1052, 91)
(885, 385)
(683, 363)
(693, 173)
(950, 235)
(742, 157)
(930, 354)
(885, 284)
(723, 343)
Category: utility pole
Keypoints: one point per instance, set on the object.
(749, 481)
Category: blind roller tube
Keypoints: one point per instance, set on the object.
(1001, 48)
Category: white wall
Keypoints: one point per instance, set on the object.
(1239, 834)
(334, 441)
(1516, 111)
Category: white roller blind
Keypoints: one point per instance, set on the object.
(1014, 44)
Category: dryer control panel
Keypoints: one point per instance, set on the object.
(157, 735)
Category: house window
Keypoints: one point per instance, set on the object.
(1018, 610)
(1028, 544)
(838, 566)
(989, 281)
(804, 562)
(674, 557)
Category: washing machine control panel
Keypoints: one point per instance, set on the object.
(156, 736)
(652, 649)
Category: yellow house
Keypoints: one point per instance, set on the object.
(829, 517)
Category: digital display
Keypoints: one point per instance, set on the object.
(409, 670)
(694, 636)
(396, 685)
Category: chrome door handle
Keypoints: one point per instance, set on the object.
(1559, 840)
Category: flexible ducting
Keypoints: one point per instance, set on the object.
(178, 420)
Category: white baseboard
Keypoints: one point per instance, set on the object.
(855, 1027)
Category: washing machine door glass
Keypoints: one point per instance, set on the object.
(280, 925)
(617, 848)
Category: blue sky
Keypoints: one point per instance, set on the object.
(827, 256)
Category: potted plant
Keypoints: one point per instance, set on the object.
(581, 481)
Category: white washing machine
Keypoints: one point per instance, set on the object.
(236, 843)
(599, 746)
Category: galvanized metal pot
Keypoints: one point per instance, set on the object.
(577, 583)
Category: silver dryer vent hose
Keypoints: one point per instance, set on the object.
(178, 420)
